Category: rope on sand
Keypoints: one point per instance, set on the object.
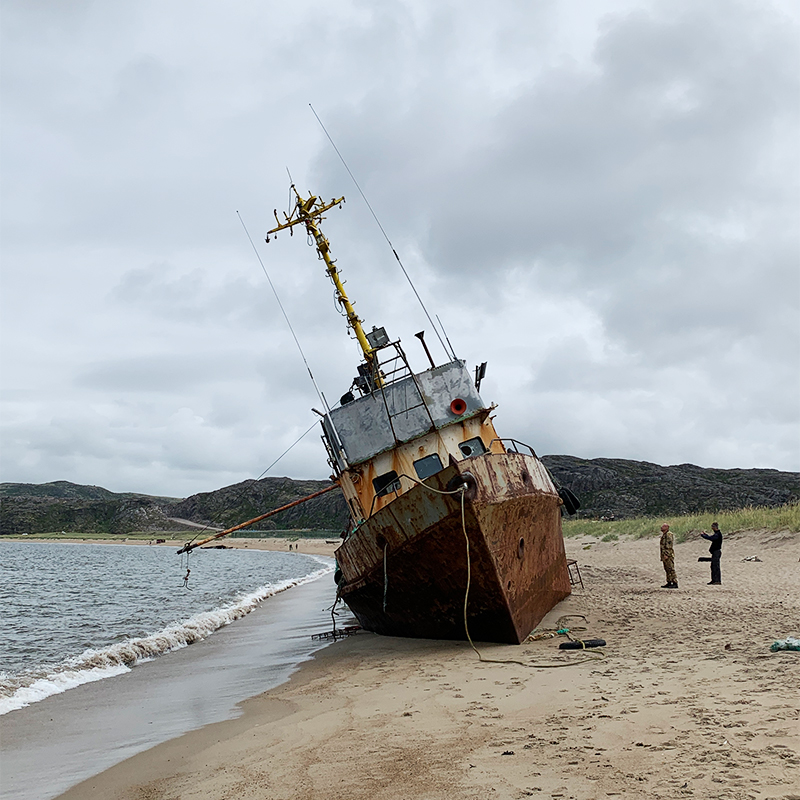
(385, 575)
(594, 655)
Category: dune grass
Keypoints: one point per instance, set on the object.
(751, 518)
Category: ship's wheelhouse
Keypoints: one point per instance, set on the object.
(404, 428)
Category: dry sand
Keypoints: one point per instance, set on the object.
(689, 702)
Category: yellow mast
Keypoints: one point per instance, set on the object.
(308, 213)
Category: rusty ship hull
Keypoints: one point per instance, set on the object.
(404, 572)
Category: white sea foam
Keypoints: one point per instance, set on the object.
(18, 691)
(55, 683)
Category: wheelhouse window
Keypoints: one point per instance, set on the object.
(430, 465)
(472, 447)
(386, 484)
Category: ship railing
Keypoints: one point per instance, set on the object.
(331, 455)
(393, 488)
(515, 445)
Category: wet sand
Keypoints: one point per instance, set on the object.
(689, 702)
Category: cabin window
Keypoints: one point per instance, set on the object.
(386, 483)
(472, 447)
(428, 466)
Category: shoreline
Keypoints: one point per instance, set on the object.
(689, 701)
(67, 737)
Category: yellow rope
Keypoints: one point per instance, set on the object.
(595, 655)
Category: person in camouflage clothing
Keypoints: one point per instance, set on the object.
(668, 557)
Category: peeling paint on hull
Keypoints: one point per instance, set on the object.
(516, 555)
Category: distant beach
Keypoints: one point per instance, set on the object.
(689, 701)
(312, 546)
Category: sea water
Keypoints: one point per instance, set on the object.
(94, 656)
(75, 613)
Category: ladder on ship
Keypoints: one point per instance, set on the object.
(393, 370)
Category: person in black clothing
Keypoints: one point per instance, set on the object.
(715, 537)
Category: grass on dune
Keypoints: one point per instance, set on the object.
(141, 536)
(751, 518)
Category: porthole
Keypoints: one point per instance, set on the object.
(427, 466)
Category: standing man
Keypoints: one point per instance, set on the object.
(715, 537)
(668, 558)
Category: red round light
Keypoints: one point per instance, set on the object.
(458, 406)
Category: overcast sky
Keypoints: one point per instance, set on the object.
(599, 199)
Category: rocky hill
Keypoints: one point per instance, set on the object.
(64, 490)
(614, 486)
(39, 508)
(604, 486)
(61, 505)
(242, 501)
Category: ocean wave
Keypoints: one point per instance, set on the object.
(30, 686)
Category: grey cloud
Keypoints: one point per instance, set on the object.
(602, 204)
(161, 372)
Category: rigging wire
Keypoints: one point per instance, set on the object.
(283, 311)
(313, 424)
(446, 337)
(385, 236)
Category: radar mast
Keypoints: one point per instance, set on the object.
(309, 212)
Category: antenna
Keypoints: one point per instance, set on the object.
(385, 236)
(480, 374)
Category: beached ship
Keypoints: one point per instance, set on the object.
(453, 529)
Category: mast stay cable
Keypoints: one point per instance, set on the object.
(385, 236)
(296, 442)
(285, 316)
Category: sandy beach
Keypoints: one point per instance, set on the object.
(689, 701)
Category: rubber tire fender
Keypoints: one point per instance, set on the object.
(464, 478)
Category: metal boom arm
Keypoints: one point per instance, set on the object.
(191, 546)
